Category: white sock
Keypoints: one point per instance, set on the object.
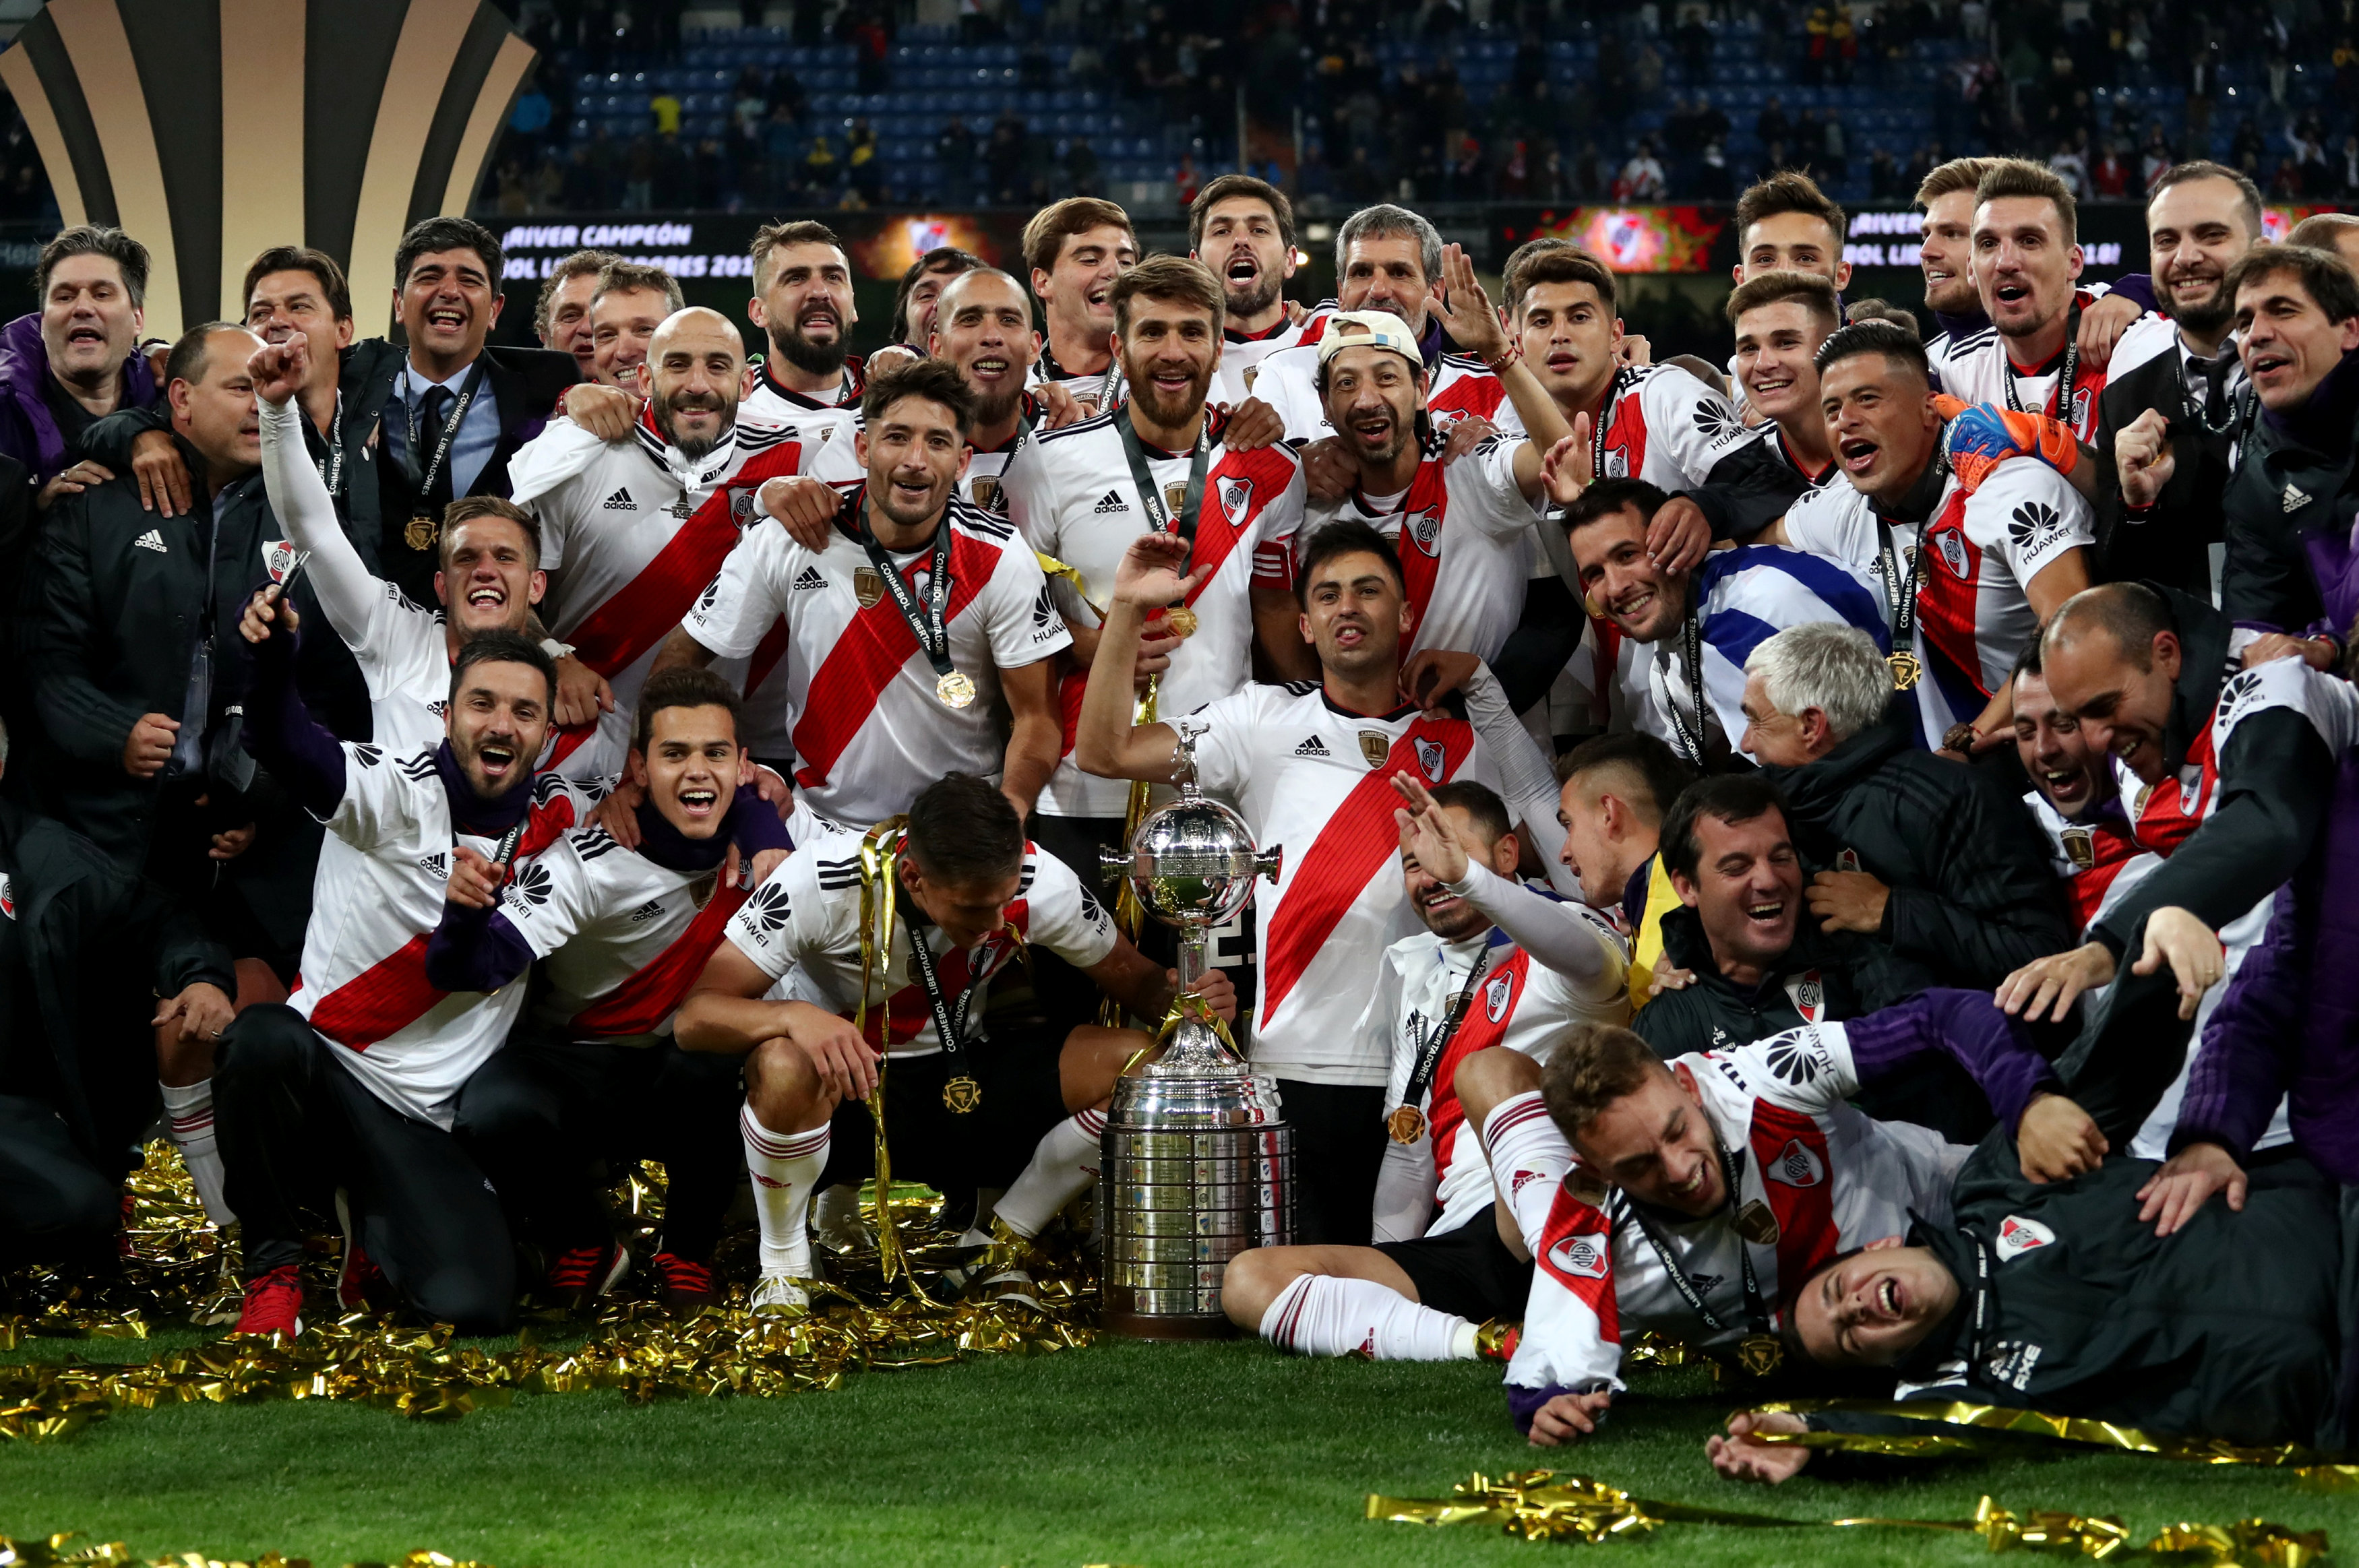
(1320, 1314)
(188, 1109)
(1528, 1159)
(784, 1166)
(1062, 1167)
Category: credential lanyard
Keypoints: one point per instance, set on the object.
(1430, 1047)
(925, 620)
(1692, 656)
(1191, 504)
(1604, 419)
(1756, 1314)
(451, 424)
(950, 1022)
(2066, 379)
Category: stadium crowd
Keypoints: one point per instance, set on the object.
(1845, 859)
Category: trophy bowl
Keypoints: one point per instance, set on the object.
(1192, 863)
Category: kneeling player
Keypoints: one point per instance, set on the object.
(1501, 965)
(624, 930)
(963, 1110)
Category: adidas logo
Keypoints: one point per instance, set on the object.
(1112, 504)
(2294, 501)
(647, 911)
(1313, 747)
(621, 502)
(810, 579)
(152, 540)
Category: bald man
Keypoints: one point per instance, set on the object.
(632, 529)
(2240, 773)
(2336, 232)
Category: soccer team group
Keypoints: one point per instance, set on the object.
(1839, 859)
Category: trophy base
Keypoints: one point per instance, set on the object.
(1134, 1325)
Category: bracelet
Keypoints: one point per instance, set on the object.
(1512, 355)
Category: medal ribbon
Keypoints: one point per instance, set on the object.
(1604, 419)
(1431, 1047)
(926, 622)
(1692, 656)
(2065, 379)
(880, 857)
(1191, 504)
(1756, 1315)
(950, 1022)
(450, 429)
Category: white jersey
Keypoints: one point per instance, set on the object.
(826, 422)
(384, 870)
(1829, 1178)
(839, 461)
(868, 731)
(1072, 496)
(1092, 387)
(1518, 1002)
(1314, 778)
(1979, 368)
(1287, 380)
(1242, 353)
(1666, 427)
(1467, 539)
(1973, 615)
(1743, 597)
(807, 916)
(630, 532)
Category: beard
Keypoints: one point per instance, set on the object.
(899, 512)
(2207, 316)
(693, 447)
(1176, 410)
(811, 358)
(999, 405)
(1256, 297)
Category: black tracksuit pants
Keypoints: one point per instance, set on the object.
(294, 1124)
(55, 1204)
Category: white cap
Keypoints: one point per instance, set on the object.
(1369, 330)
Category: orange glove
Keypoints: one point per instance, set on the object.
(1981, 435)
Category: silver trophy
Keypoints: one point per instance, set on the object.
(1197, 1167)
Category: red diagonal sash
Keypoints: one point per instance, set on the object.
(1798, 1178)
(1354, 846)
(1424, 513)
(619, 631)
(641, 1003)
(1478, 1032)
(393, 993)
(870, 653)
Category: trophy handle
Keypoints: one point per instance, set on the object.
(1183, 753)
(1267, 862)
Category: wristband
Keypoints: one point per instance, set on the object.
(555, 649)
(1510, 355)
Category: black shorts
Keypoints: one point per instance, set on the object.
(1023, 1098)
(1467, 1273)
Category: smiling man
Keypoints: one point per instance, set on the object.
(983, 328)
(2289, 503)
(560, 317)
(2075, 799)
(1709, 1183)
(2175, 379)
(620, 934)
(907, 630)
(1075, 249)
(76, 359)
(2240, 773)
(356, 1083)
(627, 303)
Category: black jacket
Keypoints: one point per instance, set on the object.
(2296, 479)
(2172, 543)
(1973, 897)
(129, 598)
(523, 382)
(99, 947)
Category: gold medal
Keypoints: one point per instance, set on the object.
(1407, 1124)
(422, 533)
(1905, 669)
(1760, 1353)
(956, 689)
(1757, 1224)
(963, 1094)
(1179, 620)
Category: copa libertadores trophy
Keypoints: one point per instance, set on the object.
(1196, 1164)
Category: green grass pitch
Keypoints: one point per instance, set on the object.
(1157, 1455)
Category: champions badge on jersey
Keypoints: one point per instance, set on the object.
(1374, 747)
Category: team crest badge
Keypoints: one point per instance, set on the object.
(826, 434)
(1579, 1257)
(278, 556)
(741, 507)
(1431, 758)
(1954, 551)
(2017, 1236)
(1796, 1166)
(1424, 530)
(1253, 373)
(1848, 860)
(867, 586)
(7, 896)
(986, 490)
(1496, 996)
(1237, 497)
(1374, 747)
